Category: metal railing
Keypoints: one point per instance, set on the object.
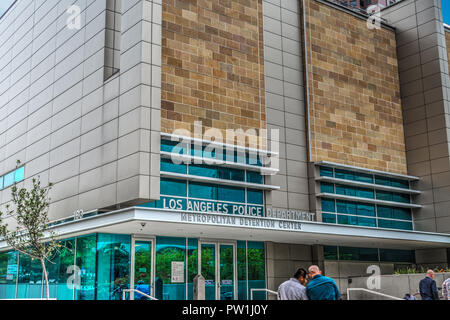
(124, 294)
(378, 295)
(264, 290)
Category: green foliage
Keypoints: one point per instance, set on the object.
(29, 209)
(31, 215)
(419, 269)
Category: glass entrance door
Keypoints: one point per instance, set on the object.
(143, 269)
(218, 267)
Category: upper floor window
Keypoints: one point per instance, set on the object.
(12, 177)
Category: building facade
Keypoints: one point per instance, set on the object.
(239, 140)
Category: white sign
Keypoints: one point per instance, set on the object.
(177, 272)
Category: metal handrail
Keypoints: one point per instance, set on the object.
(136, 291)
(265, 290)
(371, 291)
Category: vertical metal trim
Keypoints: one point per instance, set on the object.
(17, 274)
(132, 267)
(74, 265)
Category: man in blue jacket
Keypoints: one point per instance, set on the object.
(427, 287)
(321, 287)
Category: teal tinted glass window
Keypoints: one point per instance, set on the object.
(360, 254)
(330, 252)
(328, 205)
(357, 221)
(401, 197)
(354, 191)
(393, 255)
(8, 274)
(256, 269)
(231, 174)
(113, 265)
(255, 196)
(168, 166)
(382, 181)
(328, 218)
(394, 224)
(326, 187)
(326, 172)
(242, 269)
(346, 207)
(202, 191)
(343, 174)
(173, 146)
(192, 265)
(364, 193)
(254, 177)
(392, 196)
(363, 177)
(173, 187)
(86, 261)
(365, 209)
(60, 271)
(400, 183)
(169, 250)
(384, 195)
(30, 280)
(203, 170)
(397, 183)
(232, 194)
(8, 179)
(1, 182)
(19, 174)
(394, 213)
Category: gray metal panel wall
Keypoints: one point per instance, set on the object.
(285, 106)
(97, 141)
(424, 78)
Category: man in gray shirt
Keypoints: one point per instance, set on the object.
(294, 288)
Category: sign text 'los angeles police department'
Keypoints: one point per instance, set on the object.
(210, 206)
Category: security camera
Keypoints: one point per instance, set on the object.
(143, 225)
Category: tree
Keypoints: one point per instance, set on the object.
(31, 215)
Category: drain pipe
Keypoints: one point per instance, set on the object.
(306, 79)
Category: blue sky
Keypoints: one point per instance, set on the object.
(446, 10)
(4, 4)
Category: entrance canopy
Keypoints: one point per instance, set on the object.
(150, 221)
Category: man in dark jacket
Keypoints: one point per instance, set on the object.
(321, 287)
(427, 287)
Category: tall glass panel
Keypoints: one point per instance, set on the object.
(170, 266)
(30, 278)
(143, 281)
(208, 269)
(242, 270)
(61, 271)
(226, 272)
(192, 252)
(8, 274)
(256, 269)
(113, 265)
(86, 262)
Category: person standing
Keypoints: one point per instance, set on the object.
(446, 289)
(427, 287)
(321, 287)
(294, 288)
